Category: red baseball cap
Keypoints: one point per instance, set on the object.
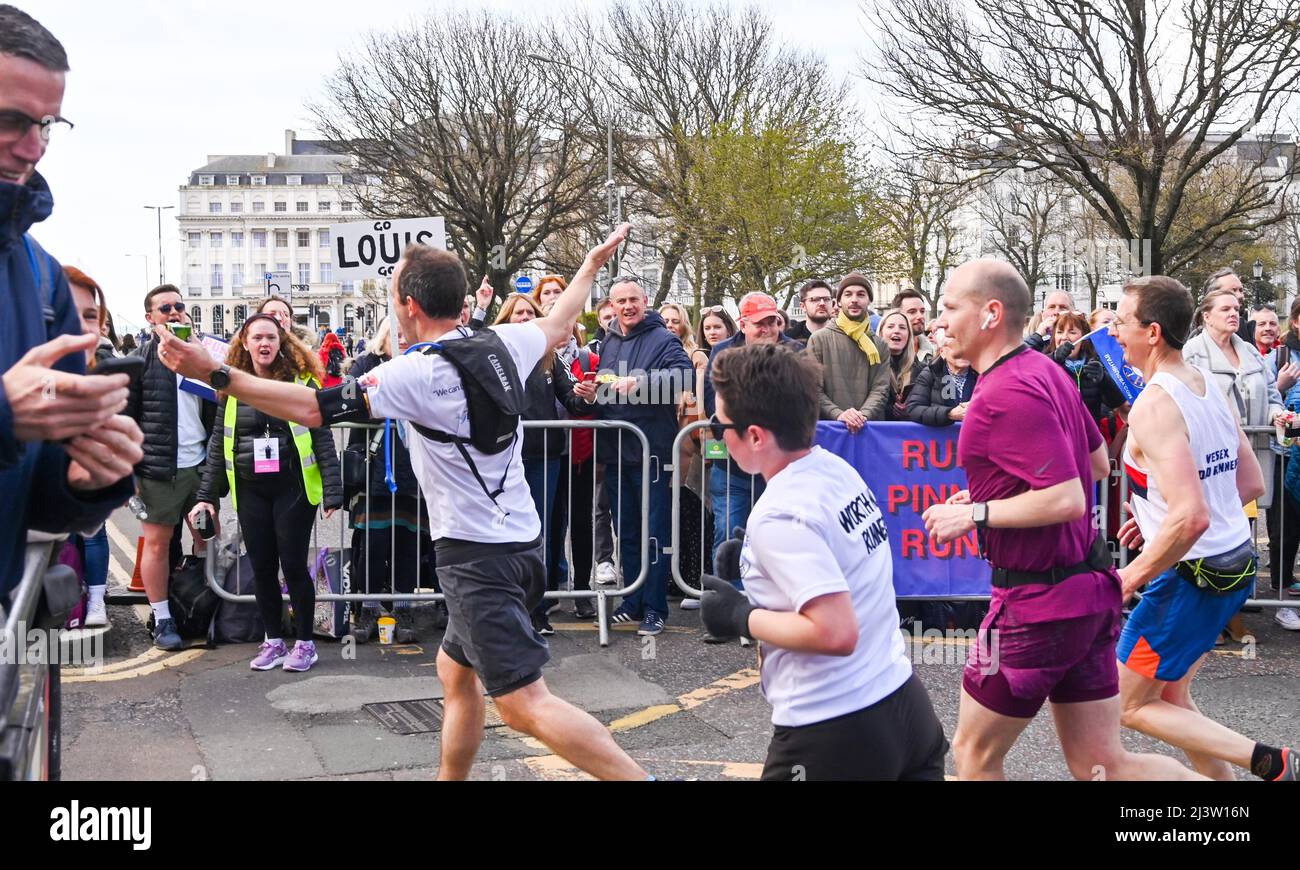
(758, 306)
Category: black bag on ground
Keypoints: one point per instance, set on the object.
(193, 605)
(493, 391)
(238, 621)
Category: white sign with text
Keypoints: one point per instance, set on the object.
(370, 249)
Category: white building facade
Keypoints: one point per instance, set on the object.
(245, 216)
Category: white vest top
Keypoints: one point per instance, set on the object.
(1212, 431)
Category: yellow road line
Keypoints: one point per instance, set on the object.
(587, 626)
(178, 659)
(143, 658)
(732, 682)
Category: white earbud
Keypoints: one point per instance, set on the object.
(988, 321)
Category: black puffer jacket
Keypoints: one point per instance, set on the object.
(543, 390)
(933, 395)
(152, 404)
(896, 406)
(251, 423)
(403, 474)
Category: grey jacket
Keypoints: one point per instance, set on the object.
(1251, 390)
(848, 379)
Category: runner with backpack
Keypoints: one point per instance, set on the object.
(461, 394)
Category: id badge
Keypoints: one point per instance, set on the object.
(266, 455)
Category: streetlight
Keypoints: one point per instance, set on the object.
(159, 209)
(145, 262)
(1259, 273)
(613, 198)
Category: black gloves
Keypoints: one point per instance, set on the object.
(724, 609)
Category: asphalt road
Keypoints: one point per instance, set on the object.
(681, 708)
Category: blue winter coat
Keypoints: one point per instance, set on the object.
(34, 475)
(656, 356)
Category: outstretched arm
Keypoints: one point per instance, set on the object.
(559, 323)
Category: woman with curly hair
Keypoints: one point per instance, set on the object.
(277, 472)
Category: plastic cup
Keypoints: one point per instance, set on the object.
(181, 330)
(387, 629)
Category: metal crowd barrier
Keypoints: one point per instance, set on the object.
(30, 696)
(600, 596)
(1116, 477)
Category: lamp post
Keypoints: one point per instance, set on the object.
(158, 210)
(613, 196)
(1258, 271)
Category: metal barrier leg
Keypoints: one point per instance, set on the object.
(602, 617)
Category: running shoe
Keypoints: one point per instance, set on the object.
(273, 653)
(1290, 766)
(542, 626)
(584, 609)
(690, 604)
(1293, 589)
(165, 635)
(651, 625)
(301, 657)
(96, 614)
(606, 574)
(1287, 617)
(622, 617)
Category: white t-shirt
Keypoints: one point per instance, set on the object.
(817, 530)
(191, 439)
(426, 389)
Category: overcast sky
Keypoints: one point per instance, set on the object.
(158, 85)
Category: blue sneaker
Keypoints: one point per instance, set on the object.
(165, 635)
(651, 625)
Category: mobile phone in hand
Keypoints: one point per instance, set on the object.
(131, 366)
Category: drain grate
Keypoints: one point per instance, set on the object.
(422, 716)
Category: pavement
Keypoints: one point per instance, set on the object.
(681, 708)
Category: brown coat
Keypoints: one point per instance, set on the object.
(849, 380)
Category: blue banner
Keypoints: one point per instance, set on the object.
(908, 468)
(1128, 379)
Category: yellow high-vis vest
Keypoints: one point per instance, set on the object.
(301, 439)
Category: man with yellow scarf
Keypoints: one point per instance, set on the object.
(855, 361)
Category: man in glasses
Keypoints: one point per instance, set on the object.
(816, 299)
(176, 424)
(65, 452)
(819, 591)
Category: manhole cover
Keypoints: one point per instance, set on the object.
(422, 716)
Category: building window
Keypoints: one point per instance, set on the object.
(326, 273)
(236, 276)
(323, 206)
(205, 181)
(293, 180)
(258, 180)
(346, 206)
(219, 320)
(236, 207)
(236, 240)
(282, 267)
(232, 180)
(323, 238)
(302, 206)
(372, 180)
(346, 287)
(215, 283)
(259, 207)
(304, 273)
(281, 206)
(195, 239)
(241, 314)
(304, 238)
(214, 208)
(196, 314)
(282, 238)
(259, 271)
(214, 240)
(335, 179)
(259, 238)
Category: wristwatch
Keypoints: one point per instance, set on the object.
(220, 379)
(979, 512)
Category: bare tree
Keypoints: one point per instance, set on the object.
(672, 72)
(452, 123)
(922, 201)
(1103, 93)
(1021, 214)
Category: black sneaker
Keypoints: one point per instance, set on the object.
(363, 630)
(405, 631)
(542, 626)
(623, 617)
(165, 635)
(584, 609)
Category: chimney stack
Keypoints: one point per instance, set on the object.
(288, 142)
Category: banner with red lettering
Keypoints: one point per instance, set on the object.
(910, 467)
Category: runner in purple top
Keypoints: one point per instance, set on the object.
(1031, 454)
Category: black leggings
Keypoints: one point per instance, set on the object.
(277, 519)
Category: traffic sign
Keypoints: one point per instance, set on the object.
(523, 284)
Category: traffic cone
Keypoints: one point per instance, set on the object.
(137, 582)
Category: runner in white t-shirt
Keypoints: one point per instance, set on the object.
(489, 548)
(818, 573)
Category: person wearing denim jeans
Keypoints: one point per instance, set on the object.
(643, 372)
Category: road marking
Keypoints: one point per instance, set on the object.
(730, 769)
(126, 664)
(120, 539)
(587, 626)
(145, 670)
(732, 682)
